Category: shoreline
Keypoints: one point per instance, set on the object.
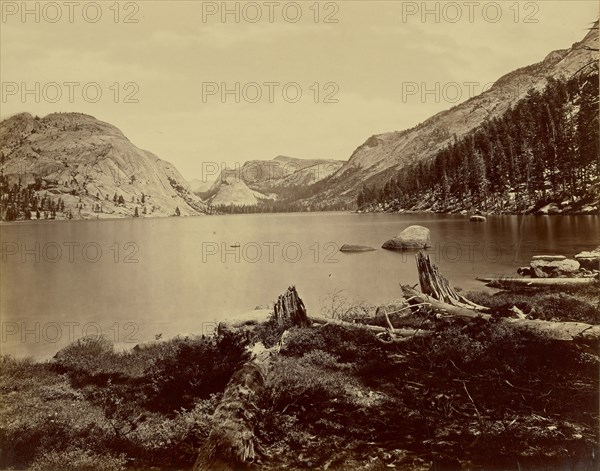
(358, 212)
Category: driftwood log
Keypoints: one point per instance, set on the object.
(512, 283)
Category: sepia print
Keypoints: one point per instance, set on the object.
(299, 235)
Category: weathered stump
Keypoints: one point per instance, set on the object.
(434, 284)
(289, 308)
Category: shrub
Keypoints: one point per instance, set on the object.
(76, 459)
(270, 332)
(174, 441)
(193, 367)
(89, 355)
(302, 341)
(298, 384)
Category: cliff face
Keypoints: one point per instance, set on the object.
(86, 163)
(382, 155)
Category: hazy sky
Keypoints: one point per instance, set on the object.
(371, 58)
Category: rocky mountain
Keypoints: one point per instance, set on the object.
(382, 155)
(229, 189)
(71, 165)
(259, 181)
(287, 172)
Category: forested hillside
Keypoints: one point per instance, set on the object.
(542, 150)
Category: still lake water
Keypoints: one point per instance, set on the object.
(132, 279)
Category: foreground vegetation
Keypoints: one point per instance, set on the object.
(476, 395)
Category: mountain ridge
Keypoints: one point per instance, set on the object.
(383, 154)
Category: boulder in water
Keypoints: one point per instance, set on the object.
(544, 268)
(411, 238)
(477, 218)
(551, 208)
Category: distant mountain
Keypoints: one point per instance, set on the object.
(71, 165)
(382, 155)
(264, 181)
(283, 173)
(229, 189)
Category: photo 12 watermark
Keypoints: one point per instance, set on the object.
(473, 252)
(271, 12)
(69, 252)
(70, 12)
(69, 92)
(470, 12)
(454, 92)
(272, 252)
(67, 332)
(293, 172)
(269, 92)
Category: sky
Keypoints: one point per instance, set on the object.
(198, 82)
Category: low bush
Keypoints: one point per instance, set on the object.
(300, 384)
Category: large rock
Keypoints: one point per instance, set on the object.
(545, 268)
(551, 208)
(350, 248)
(589, 210)
(411, 238)
(477, 218)
(589, 260)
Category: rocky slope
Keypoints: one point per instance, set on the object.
(89, 165)
(382, 155)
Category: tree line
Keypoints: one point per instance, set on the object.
(544, 148)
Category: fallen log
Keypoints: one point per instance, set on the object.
(231, 444)
(572, 331)
(510, 283)
(376, 329)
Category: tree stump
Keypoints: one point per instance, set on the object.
(289, 309)
(434, 284)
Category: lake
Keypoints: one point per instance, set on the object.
(137, 278)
